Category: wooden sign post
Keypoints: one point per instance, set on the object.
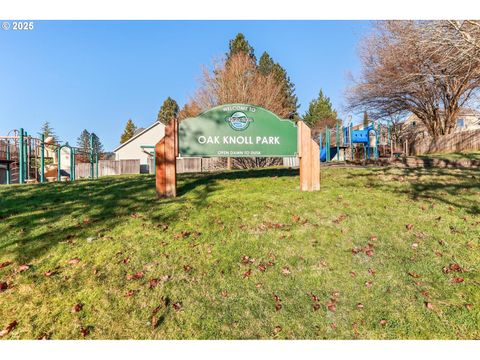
(166, 151)
(235, 130)
(309, 154)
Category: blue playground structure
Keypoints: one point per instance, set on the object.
(348, 142)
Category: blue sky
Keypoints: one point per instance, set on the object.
(95, 75)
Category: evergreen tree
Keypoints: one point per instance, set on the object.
(128, 131)
(291, 100)
(168, 111)
(97, 145)
(365, 119)
(240, 45)
(320, 112)
(83, 144)
(48, 131)
(267, 66)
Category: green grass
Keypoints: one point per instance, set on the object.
(461, 155)
(194, 244)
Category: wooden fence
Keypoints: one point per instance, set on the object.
(458, 141)
(191, 165)
(108, 167)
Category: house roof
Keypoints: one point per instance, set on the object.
(136, 135)
(138, 131)
(462, 112)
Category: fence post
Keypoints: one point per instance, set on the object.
(91, 156)
(21, 160)
(27, 156)
(8, 163)
(166, 166)
(59, 165)
(327, 144)
(350, 135)
(42, 158)
(309, 154)
(337, 141)
(74, 169)
(72, 166)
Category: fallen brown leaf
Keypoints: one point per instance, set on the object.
(277, 298)
(153, 283)
(23, 267)
(8, 328)
(77, 308)
(85, 331)
(130, 293)
(5, 264)
(339, 219)
(136, 276)
(50, 273)
(456, 268)
(409, 227)
(429, 305)
(165, 278)
(414, 275)
(245, 259)
(332, 306)
(181, 235)
(247, 273)
(73, 261)
(44, 336)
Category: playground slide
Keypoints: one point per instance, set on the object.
(323, 153)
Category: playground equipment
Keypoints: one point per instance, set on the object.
(374, 139)
(23, 158)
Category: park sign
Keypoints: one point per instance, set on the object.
(237, 130)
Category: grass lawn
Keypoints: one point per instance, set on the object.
(377, 254)
(464, 155)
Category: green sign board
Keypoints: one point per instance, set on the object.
(236, 130)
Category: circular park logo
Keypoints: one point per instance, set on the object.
(239, 121)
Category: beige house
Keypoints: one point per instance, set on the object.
(468, 119)
(140, 146)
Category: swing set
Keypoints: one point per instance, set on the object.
(24, 158)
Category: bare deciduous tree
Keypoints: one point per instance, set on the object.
(238, 81)
(428, 68)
